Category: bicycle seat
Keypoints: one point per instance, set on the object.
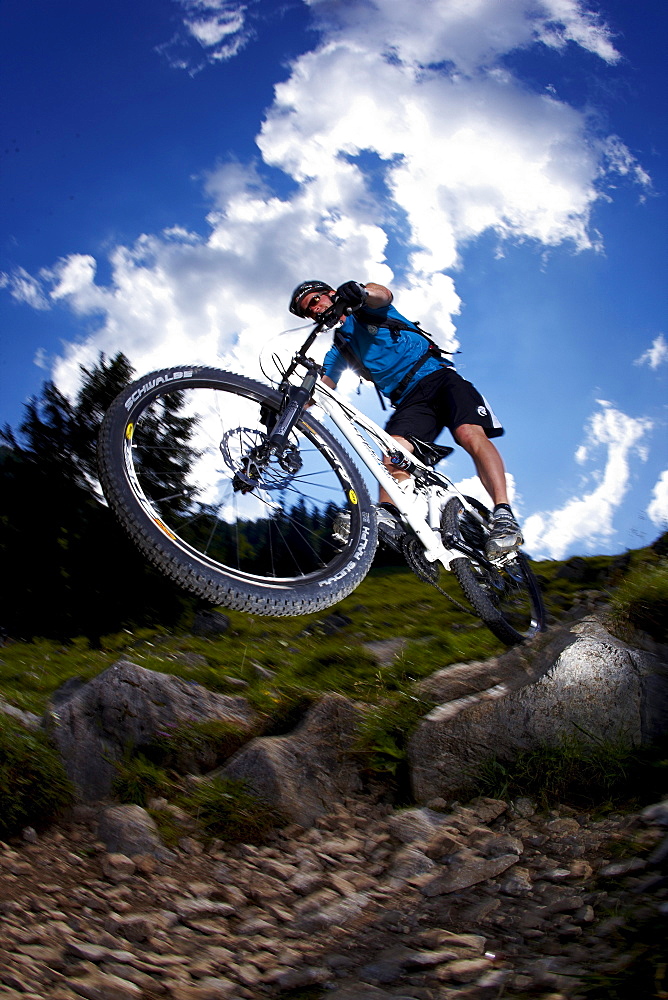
(429, 453)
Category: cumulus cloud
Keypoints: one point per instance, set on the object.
(460, 145)
(468, 35)
(658, 507)
(655, 355)
(588, 519)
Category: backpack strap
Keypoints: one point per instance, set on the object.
(433, 351)
(395, 326)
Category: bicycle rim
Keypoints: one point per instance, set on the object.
(274, 538)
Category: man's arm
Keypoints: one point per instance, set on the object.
(378, 296)
(353, 295)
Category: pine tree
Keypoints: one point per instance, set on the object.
(69, 566)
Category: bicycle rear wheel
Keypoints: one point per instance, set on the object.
(506, 598)
(268, 549)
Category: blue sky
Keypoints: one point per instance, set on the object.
(172, 169)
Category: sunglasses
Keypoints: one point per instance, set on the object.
(313, 302)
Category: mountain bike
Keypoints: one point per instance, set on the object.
(251, 518)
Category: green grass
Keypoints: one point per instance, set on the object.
(225, 808)
(641, 600)
(381, 744)
(388, 603)
(582, 772)
(33, 783)
(391, 602)
(305, 659)
(196, 745)
(138, 780)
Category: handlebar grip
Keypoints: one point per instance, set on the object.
(335, 313)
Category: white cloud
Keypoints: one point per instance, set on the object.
(469, 34)
(41, 359)
(658, 506)
(472, 487)
(24, 288)
(655, 355)
(465, 148)
(219, 27)
(588, 519)
(570, 21)
(463, 153)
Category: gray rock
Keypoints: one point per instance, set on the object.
(130, 830)
(303, 774)
(189, 909)
(588, 683)
(467, 872)
(123, 707)
(217, 988)
(513, 669)
(386, 651)
(103, 987)
(307, 976)
(656, 814)
(410, 825)
(335, 914)
(118, 867)
(410, 861)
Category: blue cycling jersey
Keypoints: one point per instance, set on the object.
(387, 354)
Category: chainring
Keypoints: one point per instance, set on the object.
(413, 553)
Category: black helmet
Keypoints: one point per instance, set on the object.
(304, 289)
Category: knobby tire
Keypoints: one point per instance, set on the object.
(269, 551)
(507, 599)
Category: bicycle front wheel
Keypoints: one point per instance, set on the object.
(506, 598)
(170, 453)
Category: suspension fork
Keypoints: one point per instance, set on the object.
(246, 479)
(297, 398)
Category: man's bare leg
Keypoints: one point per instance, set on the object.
(505, 535)
(486, 458)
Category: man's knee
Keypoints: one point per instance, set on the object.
(470, 436)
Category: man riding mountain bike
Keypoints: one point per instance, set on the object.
(424, 388)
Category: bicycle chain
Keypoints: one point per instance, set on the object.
(427, 572)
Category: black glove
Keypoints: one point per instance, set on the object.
(352, 294)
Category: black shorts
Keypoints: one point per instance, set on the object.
(442, 399)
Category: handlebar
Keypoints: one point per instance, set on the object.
(328, 319)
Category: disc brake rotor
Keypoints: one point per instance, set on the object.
(243, 450)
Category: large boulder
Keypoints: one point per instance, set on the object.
(596, 687)
(303, 774)
(124, 707)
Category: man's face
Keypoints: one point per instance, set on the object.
(316, 303)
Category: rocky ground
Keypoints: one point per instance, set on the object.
(485, 900)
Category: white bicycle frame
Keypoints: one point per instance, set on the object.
(420, 503)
